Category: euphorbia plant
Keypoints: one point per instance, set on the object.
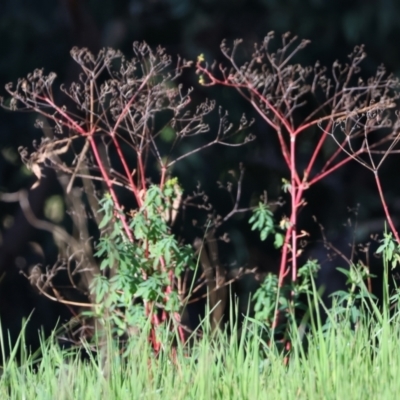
(348, 110)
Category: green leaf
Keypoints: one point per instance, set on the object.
(279, 240)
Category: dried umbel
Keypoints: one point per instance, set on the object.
(115, 104)
(294, 99)
(110, 123)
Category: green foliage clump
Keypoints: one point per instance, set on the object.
(273, 297)
(139, 272)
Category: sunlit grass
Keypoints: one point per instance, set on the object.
(358, 363)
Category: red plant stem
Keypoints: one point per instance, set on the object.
(255, 92)
(317, 150)
(248, 86)
(90, 135)
(168, 291)
(113, 133)
(333, 156)
(73, 124)
(155, 322)
(118, 147)
(288, 157)
(335, 167)
(163, 175)
(127, 171)
(109, 185)
(305, 126)
(284, 149)
(177, 318)
(181, 332)
(385, 207)
(81, 131)
(123, 113)
(293, 219)
(141, 171)
(283, 271)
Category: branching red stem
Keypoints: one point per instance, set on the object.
(385, 207)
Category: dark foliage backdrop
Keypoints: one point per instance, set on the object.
(40, 34)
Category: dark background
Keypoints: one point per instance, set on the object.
(40, 34)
